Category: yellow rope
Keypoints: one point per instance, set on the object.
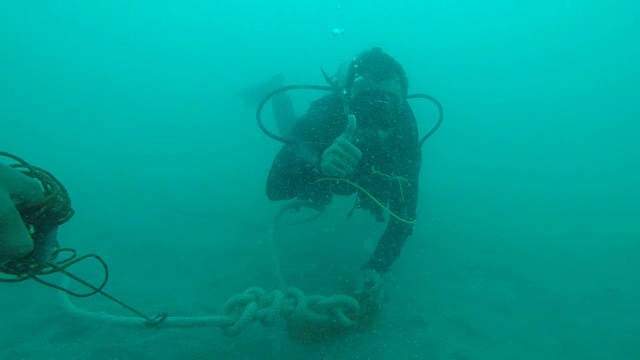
(400, 187)
(396, 177)
(370, 196)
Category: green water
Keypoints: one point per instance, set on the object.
(528, 234)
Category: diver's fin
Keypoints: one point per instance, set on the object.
(253, 95)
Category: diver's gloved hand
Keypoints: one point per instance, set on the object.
(369, 290)
(341, 158)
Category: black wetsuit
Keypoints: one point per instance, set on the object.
(389, 168)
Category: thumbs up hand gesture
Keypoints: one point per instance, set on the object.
(341, 158)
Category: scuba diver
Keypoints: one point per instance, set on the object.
(360, 138)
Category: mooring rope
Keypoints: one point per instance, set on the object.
(254, 304)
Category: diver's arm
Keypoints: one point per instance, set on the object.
(19, 192)
(295, 168)
(389, 246)
(15, 189)
(21, 188)
(294, 171)
(397, 231)
(404, 204)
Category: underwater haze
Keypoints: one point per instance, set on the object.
(527, 240)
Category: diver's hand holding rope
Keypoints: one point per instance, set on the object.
(42, 204)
